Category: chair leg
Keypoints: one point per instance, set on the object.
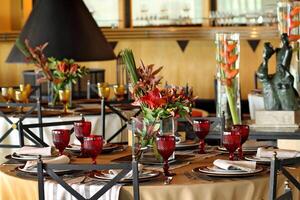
(40, 179)
(136, 190)
(273, 178)
(21, 134)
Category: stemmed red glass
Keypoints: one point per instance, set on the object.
(201, 128)
(61, 139)
(231, 141)
(82, 129)
(243, 130)
(166, 147)
(92, 146)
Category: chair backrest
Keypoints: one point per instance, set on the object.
(280, 165)
(50, 170)
(33, 106)
(25, 130)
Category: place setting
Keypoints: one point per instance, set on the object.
(264, 155)
(83, 129)
(32, 153)
(144, 175)
(235, 166)
(227, 168)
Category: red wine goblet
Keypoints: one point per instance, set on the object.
(61, 139)
(201, 128)
(243, 130)
(92, 146)
(231, 141)
(166, 146)
(82, 129)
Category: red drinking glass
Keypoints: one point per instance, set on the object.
(82, 129)
(231, 141)
(201, 128)
(243, 130)
(61, 139)
(92, 146)
(166, 146)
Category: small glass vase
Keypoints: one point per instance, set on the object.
(228, 79)
(145, 135)
(53, 93)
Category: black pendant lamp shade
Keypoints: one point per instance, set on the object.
(70, 30)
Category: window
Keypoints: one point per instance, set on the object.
(105, 12)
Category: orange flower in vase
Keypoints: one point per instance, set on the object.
(228, 57)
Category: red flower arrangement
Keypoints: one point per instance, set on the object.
(60, 73)
(156, 103)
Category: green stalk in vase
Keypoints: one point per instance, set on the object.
(232, 104)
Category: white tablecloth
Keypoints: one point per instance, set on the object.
(112, 123)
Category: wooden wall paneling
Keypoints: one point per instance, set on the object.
(27, 7)
(5, 22)
(16, 14)
(196, 66)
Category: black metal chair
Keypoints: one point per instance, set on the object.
(110, 105)
(35, 106)
(26, 129)
(280, 165)
(125, 167)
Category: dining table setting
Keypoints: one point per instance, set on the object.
(167, 149)
(188, 169)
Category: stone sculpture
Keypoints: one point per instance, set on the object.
(278, 90)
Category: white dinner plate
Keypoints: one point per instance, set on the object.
(145, 175)
(211, 171)
(217, 169)
(34, 170)
(106, 148)
(26, 157)
(245, 149)
(187, 145)
(258, 160)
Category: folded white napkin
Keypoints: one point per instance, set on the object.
(281, 153)
(115, 172)
(232, 165)
(63, 159)
(43, 151)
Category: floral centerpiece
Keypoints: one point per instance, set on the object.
(228, 77)
(156, 103)
(60, 73)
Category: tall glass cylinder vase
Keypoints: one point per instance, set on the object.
(289, 22)
(228, 79)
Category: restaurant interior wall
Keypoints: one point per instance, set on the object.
(195, 65)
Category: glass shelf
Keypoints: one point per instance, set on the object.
(166, 12)
(105, 12)
(244, 12)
